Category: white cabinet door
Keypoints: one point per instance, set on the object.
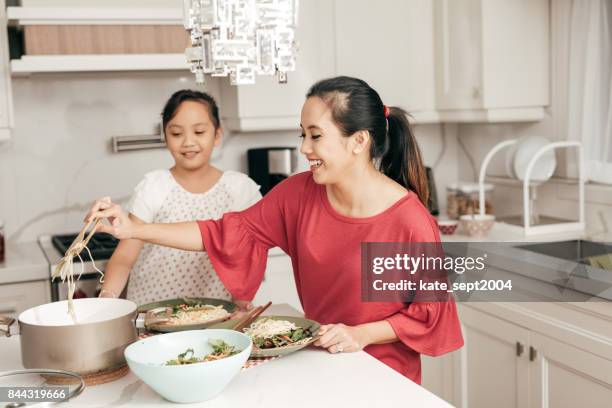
(563, 376)
(438, 375)
(268, 105)
(492, 59)
(493, 364)
(459, 54)
(17, 297)
(389, 44)
(6, 98)
(278, 284)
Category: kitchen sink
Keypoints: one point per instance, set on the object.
(576, 250)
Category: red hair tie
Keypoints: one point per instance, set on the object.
(386, 111)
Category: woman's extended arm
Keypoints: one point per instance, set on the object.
(180, 235)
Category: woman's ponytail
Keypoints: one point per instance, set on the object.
(402, 159)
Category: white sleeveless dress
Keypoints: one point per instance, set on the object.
(165, 273)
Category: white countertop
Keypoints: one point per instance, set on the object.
(23, 262)
(502, 233)
(309, 378)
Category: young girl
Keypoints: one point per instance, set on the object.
(366, 184)
(191, 189)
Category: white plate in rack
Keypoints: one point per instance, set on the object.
(544, 167)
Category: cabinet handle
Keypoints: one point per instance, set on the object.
(519, 349)
(533, 353)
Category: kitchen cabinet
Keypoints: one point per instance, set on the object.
(493, 361)
(268, 105)
(17, 297)
(390, 45)
(6, 95)
(517, 356)
(78, 17)
(278, 285)
(492, 60)
(563, 376)
(438, 375)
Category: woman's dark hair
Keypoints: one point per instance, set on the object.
(183, 95)
(356, 106)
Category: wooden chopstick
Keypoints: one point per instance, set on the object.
(241, 323)
(81, 233)
(249, 318)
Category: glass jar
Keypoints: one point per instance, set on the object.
(463, 198)
(1, 241)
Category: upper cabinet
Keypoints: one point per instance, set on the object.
(442, 60)
(268, 105)
(390, 45)
(449, 60)
(6, 95)
(492, 60)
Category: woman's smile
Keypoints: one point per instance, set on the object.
(315, 164)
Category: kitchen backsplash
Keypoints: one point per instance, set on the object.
(59, 158)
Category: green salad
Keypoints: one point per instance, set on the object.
(220, 350)
(270, 333)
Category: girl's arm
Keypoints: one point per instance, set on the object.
(180, 235)
(120, 264)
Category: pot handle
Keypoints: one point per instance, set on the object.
(8, 322)
(139, 321)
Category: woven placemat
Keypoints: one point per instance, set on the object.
(101, 377)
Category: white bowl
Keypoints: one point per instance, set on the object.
(477, 225)
(543, 168)
(447, 227)
(192, 382)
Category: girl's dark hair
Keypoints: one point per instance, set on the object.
(183, 95)
(356, 106)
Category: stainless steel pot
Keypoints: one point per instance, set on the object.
(50, 339)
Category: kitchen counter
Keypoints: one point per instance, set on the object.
(310, 377)
(501, 233)
(23, 262)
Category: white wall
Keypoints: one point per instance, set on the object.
(59, 158)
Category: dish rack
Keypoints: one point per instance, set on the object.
(528, 229)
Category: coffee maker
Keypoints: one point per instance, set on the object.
(268, 166)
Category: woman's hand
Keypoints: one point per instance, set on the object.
(121, 227)
(338, 338)
(243, 307)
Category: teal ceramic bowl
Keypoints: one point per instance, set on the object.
(192, 382)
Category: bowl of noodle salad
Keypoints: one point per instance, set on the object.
(277, 335)
(185, 314)
(189, 366)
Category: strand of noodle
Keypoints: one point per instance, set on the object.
(93, 263)
(65, 270)
(82, 266)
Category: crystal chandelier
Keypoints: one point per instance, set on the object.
(241, 38)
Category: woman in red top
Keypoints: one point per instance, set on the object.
(366, 184)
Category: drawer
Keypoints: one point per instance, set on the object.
(17, 297)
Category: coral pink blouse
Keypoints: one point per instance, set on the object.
(325, 250)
